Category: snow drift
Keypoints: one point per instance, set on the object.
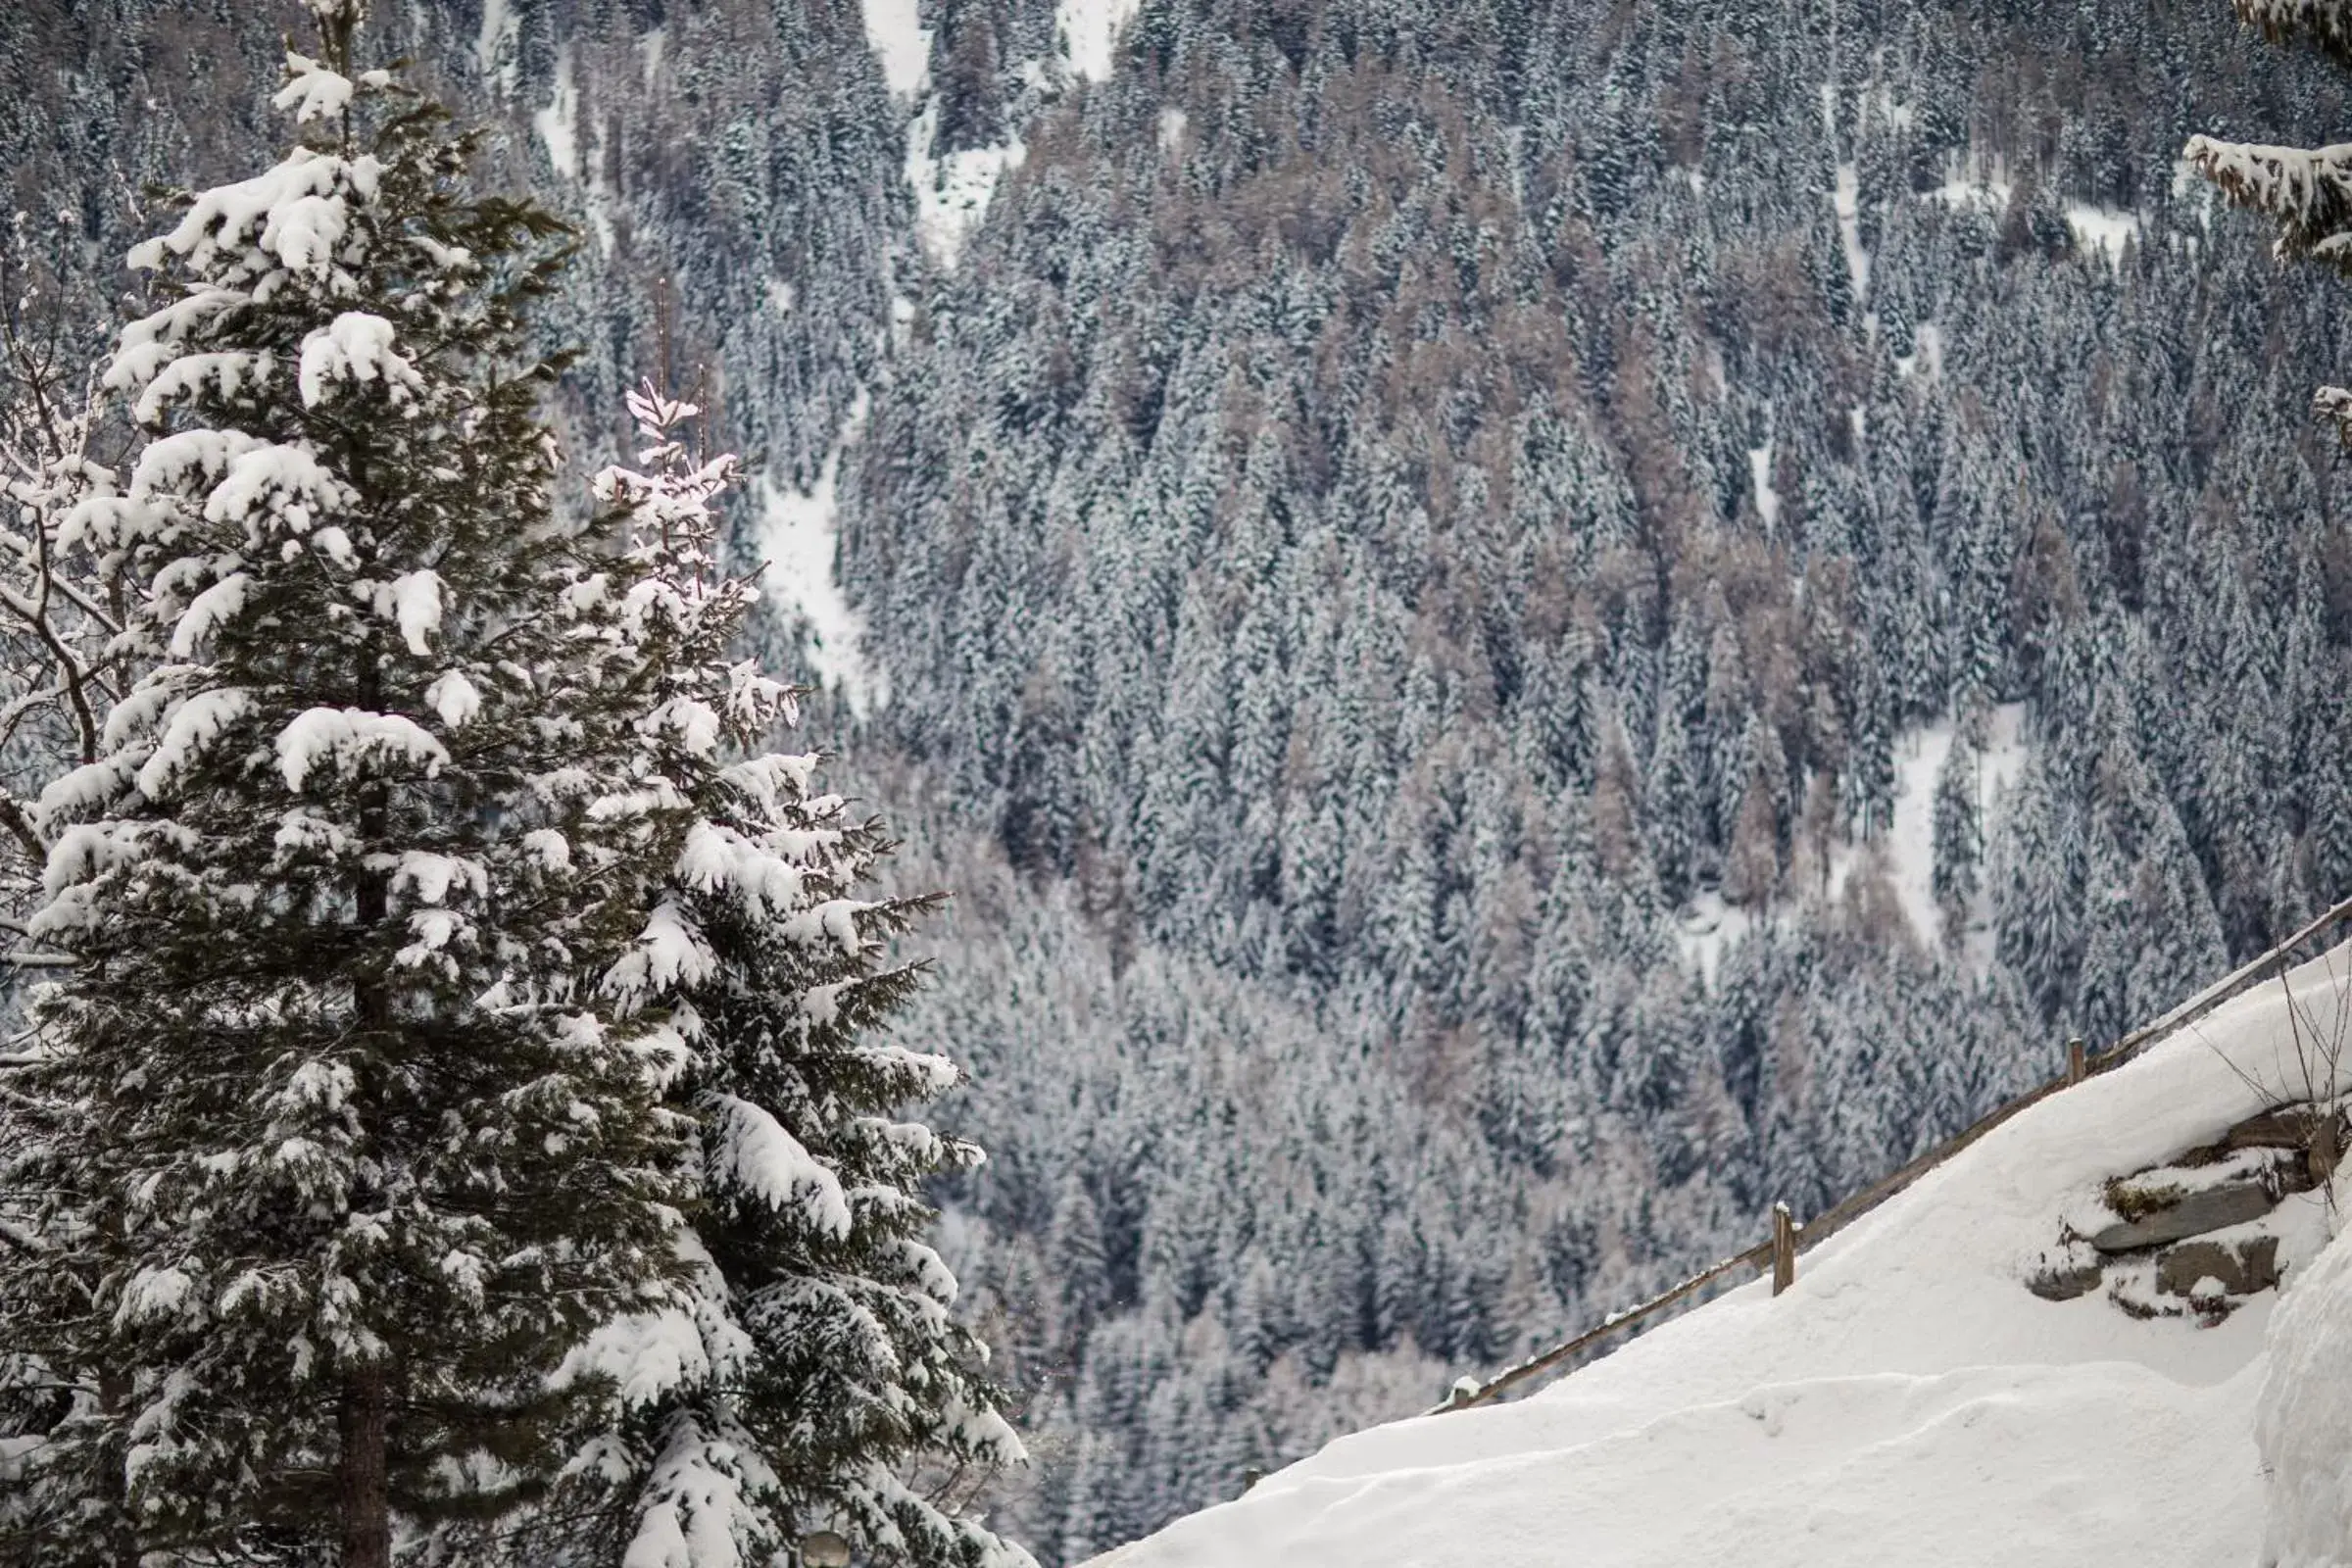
(1908, 1401)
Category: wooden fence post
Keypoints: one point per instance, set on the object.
(1784, 1249)
(2077, 1065)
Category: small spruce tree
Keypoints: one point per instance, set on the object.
(815, 1368)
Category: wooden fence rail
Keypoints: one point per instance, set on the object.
(1789, 1239)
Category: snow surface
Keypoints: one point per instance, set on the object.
(894, 31)
(2102, 229)
(2303, 1423)
(1907, 1402)
(1910, 841)
(1090, 34)
(800, 536)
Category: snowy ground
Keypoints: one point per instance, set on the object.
(1910, 842)
(799, 538)
(1709, 925)
(952, 190)
(1907, 1402)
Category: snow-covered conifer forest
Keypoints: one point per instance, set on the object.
(1519, 629)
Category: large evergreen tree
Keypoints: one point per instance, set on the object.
(353, 1127)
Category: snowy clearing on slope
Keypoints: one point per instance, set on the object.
(952, 193)
(1759, 473)
(1090, 34)
(496, 46)
(1709, 924)
(800, 537)
(894, 31)
(2103, 230)
(2100, 231)
(559, 128)
(1910, 840)
(1847, 202)
(1907, 1402)
(559, 124)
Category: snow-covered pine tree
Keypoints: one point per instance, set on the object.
(1957, 828)
(2307, 192)
(815, 1368)
(362, 1138)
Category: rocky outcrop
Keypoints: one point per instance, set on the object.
(2190, 1214)
(2237, 1268)
(2161, 1249)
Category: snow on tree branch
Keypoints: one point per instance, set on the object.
(2307, 192)
(2327, 23)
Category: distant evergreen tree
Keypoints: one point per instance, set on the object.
(2036, 876)
(1957, 829)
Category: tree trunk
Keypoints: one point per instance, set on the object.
(361, 1482)
(363, 1494)
(114, 1397)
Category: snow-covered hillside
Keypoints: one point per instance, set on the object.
(1909, 1400)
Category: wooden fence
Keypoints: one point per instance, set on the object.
(1789, 1239)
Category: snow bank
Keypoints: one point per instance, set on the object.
(2303, 1422)
(1907, 1402)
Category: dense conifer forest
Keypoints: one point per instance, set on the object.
(1519, 630)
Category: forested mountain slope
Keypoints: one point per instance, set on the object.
(1523, 629)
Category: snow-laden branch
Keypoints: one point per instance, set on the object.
(59, 598)
(2306, 191)
(2324, 23)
